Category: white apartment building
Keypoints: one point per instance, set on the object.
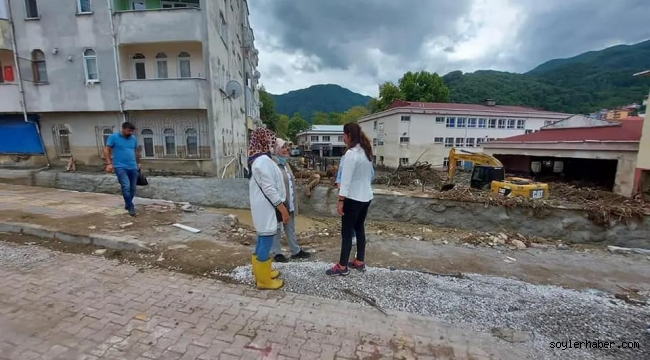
(74, 70)
(322, 140)
(412, 131)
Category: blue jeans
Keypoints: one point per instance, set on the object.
(263, 248)
(128, 179)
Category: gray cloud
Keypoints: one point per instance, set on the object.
(353, 35)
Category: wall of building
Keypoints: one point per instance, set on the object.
(428, 139)
(643, 161)
(171, 49)
(63, 35)
(624, 182)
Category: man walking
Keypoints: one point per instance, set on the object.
(125, 161)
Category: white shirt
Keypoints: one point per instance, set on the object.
(356, 176)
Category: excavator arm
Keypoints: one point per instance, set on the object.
(476, 158)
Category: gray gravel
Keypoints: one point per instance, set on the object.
(22, 257)
(481, 303)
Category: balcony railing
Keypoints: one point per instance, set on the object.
(162, 94)
(159, 25)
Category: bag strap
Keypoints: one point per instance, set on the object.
(258, 185)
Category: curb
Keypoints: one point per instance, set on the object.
(106, 241)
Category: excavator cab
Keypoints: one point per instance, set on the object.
(483, 175)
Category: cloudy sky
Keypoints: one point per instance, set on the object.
(361, 43)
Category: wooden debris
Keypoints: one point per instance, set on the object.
(630, 300)
(370, 301)
(457, 275)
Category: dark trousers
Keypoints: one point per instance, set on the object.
(128, 179)
(353, 221)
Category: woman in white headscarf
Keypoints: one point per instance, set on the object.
(281, 155)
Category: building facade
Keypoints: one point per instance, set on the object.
(322, 141)
(642, 172)
(412, 131)
(168, 66)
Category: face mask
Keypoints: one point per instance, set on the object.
(282, 160)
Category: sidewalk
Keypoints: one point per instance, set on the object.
(102, 217)
(65, 306)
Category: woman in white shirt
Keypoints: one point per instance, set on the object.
(355, 195)
(267, 196)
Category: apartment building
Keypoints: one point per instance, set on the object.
(74, 70)
(415, 131)
(322, 140)
(642, 172)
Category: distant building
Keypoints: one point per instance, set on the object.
(322, 140)
(415, 131)
(642, 173)
(591, 151)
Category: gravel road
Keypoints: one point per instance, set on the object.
(540, 313)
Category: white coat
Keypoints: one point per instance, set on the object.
(266, 173)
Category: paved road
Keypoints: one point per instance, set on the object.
(64, 306)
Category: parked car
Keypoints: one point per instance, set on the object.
(295, 151)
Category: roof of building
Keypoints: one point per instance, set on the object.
(643, 73)
(625, 131)
(455, 106)
(327, 128)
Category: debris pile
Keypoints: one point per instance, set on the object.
(510, 240)
(420, 174)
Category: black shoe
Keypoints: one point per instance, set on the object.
(280, 258)
(301, 255)
(132, 211)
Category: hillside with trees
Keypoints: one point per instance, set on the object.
(322, 98)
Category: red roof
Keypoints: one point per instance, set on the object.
(453, 106)
(629, 131)
(636, 118)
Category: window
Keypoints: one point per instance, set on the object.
(83, 7)
(445, 162)
(440, 119)
(161, 66)
(482, 122)
(406, 118)
(471, 122)
(403, 161)
(469, 142)
(521, 124)
(461, 122)
(404, 140)
(528, 131)
(502, 124)
(492, 123)
(175, 4)
(341, 138)
(184, 66)
(547, 123)
(62, 140)
(138, 5)
(438, 140)
(512, 123)
(147, 143)
(170, 142)
(38, 63)
(326, 138)
(460, 142)
(105, 134)
(449, 142)
(31, 9)
(374, 141)
(479, 141)
(451, 122)
(139, 66)
(374, 125)
(381, 159)
(314, 138)
(90, 66)
(223, 28)
(192, 142)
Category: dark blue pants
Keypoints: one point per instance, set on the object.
(128, 179)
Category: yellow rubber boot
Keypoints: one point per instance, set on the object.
(274, 273)
(264, 279)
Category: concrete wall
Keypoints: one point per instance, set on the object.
(171, 49)
(643, 160)
(59, 28)
(423, 129)
(160, 25)
(164, 94)
(566, 224)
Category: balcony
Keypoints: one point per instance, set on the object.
(5, 35)
(165, 94)
(11, 98)
(159, 25)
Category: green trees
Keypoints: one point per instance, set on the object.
(296, 125)
(267, 112)
(413, 86)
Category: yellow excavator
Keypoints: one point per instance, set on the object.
(488, 173)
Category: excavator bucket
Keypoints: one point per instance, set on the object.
(447, 187)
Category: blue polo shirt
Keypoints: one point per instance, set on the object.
(123, 151)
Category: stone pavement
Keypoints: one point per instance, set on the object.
(64, 306)
(103, 215)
